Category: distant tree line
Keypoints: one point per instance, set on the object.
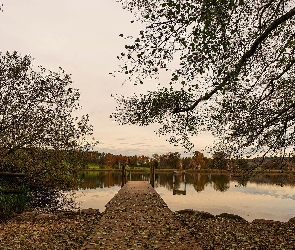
(173, 160)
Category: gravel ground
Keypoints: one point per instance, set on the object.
(47, 231)
(228, 231)
(70, 230)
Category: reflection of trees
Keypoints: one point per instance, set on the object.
(165, 180)
(220, 182)
(243, 180)
(91, 180)
(199, 181)
(108, 178)
(100, 179)
(277, 179)
(135, 176)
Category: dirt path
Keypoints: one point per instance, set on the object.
(138, 218)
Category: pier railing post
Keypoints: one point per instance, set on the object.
(152, 175)
(123, 176)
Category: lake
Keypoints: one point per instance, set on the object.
(261, 197)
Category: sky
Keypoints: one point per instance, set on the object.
(82, 37)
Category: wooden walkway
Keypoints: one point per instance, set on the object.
(138, 218)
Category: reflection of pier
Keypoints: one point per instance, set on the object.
(182, 179)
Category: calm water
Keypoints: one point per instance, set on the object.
(263, 196)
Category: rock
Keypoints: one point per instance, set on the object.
(263, 221)
(204, 215)
(292, 220)
(232, 216)
(186, 211)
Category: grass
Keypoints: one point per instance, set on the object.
(11, 204)
(94, 166)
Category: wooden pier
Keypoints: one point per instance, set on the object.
(138, 218)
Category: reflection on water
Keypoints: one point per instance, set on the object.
(181, 179)
(262, 196)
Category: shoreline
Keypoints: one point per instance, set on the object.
(201, 171)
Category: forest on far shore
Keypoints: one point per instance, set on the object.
(173, 160)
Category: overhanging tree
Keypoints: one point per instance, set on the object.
(234, 72)
(39, 132)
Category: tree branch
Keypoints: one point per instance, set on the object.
(248, 54)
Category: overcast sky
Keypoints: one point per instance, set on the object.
(82, 37)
